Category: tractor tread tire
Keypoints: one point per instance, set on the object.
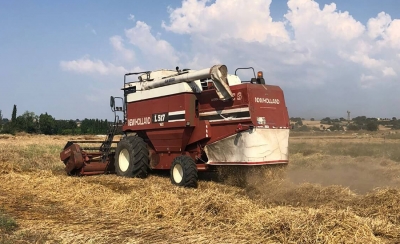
(138, 157)
(190, 176)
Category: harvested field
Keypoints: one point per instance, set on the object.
(337, 189)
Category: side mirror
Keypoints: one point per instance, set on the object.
(112, 102)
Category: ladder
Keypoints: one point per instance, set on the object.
(105, 147)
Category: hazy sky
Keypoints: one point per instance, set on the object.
(67, 57)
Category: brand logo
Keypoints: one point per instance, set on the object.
(267, 100)
(139, 121)
(169, 80)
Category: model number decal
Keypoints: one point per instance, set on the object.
(267, 100)
(159, 118)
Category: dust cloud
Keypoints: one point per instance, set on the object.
(331, 182)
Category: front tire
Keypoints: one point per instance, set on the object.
(184, 172)
(132, 157)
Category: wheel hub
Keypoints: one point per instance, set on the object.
(123, 160)
(177, 173)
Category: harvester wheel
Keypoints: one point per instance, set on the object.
(132, 157)
(184, 172)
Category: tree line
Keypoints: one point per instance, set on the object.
(46, 124)
(357, 123)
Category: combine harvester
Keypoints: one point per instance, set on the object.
(188, 121)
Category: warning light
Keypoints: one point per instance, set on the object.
(260, 74)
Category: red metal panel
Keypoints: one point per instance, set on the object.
(263, 100)
(201, 131)
(140, 114)
(221, 130)
(209, 100)
(93, 168)
(169, 140)
(269, 102)
(165, 160)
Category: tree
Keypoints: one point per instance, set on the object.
(10, 127)
(312, 119)
(353, 127)
(326, 120)
(360, 119)
(297, 119)
(396, 125)
(65, 127)
(14, 114)
(336, 126)
(47, 124)
(394, 118)
(85, 126)
(372, 126)
(27, 122)
(303, 128)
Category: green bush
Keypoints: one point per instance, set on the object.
(302, 128)
(335, 127)
(353, 127)
(372, 126)
(7, 223)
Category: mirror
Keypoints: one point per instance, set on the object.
(112, 102)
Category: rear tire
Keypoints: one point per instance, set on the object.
(184, 172)
(132, 157)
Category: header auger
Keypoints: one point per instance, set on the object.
(187, 121)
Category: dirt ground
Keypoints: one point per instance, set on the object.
(338, 188)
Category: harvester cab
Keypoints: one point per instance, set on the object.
(187, 121)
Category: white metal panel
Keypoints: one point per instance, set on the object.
(177, 112)
(226, 111)
(256, 145)
(158, 74)
(234, 80)
(189, 87)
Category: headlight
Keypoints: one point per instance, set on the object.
(261, 120)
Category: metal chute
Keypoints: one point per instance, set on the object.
(219, 77)
(217, 73)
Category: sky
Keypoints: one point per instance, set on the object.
(67, 58)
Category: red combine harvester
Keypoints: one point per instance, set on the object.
(187, 121)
